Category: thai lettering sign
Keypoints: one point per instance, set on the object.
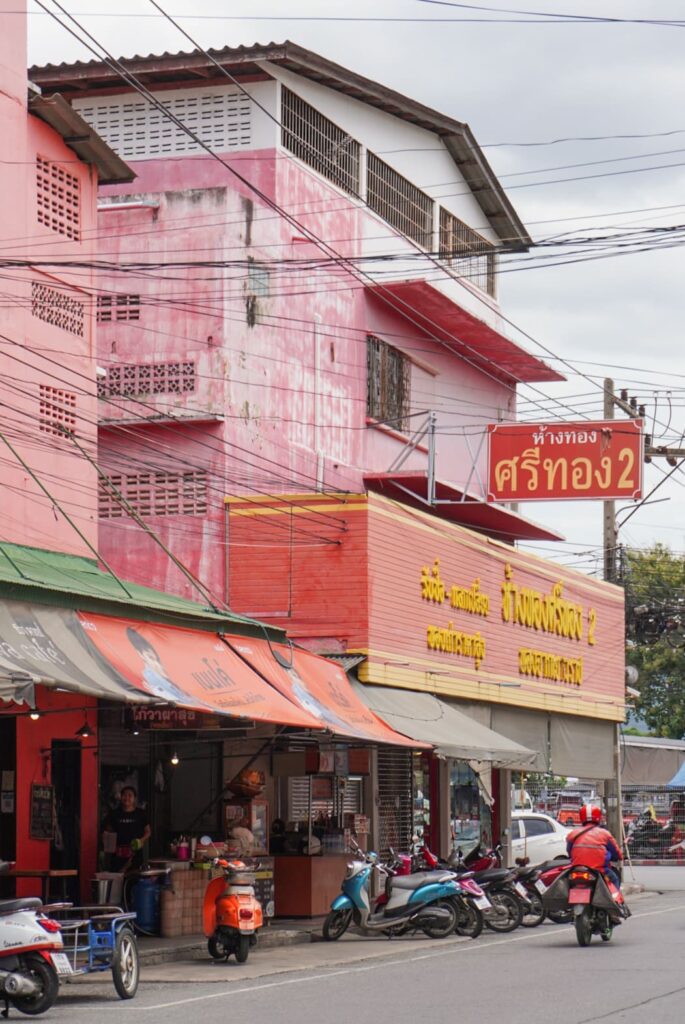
(572, 461)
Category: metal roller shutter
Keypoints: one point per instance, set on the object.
(395, 799)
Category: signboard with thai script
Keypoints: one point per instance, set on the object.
(565, 461)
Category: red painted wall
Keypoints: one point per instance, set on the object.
(34, 741)
(367, 590)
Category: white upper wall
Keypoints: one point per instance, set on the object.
(423, 158)
(221, 115)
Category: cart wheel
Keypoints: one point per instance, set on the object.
(125, 964)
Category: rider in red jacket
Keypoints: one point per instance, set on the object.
(592, 845)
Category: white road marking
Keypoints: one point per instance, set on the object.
(455, 947)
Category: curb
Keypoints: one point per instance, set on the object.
(196, 948)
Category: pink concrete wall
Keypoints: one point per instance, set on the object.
(34, 352)
(280, 398)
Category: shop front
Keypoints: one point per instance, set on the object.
(194, 723)
(526, 650)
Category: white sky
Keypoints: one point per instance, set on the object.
(515, 83)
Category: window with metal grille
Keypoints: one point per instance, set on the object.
(471, 255)
(319, 142)
(220, 116)
(154, 494)
(395, 799)
(399, 202)
(118, 307)
(57, 308)
(58, 199)
(258, 279)
(56, 410)
(388, 383)
(298, 799)
(147, 379)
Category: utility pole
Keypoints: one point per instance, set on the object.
(629, 406)
(610, 533)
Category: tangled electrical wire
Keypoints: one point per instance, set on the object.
(651, 623)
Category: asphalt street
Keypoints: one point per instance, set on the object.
(529, 977)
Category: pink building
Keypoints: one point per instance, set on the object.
(47, 347)
(240, 357)
(299, 307)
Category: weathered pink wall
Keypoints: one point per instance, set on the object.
(280, 399)
(33, 352)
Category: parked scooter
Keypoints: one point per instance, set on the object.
(508, 897)
(232, 914)
(536, 879)
(30, 955)
(422, 902)
(596, 903)
(470, 903)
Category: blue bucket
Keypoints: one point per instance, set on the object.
(146, 904)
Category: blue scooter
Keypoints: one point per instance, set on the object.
(423, 901)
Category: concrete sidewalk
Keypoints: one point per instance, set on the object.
(285, 932)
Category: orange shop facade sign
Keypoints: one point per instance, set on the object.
(457, 614)
(555, 461)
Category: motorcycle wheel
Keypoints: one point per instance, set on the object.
(560, 916)
(536, 915)
(508, 921)
(216, 949)
(469, 919)
(45, 976)
(442, 929)
(242, 948)
(336, 924)
(125, 965)
(583, 923)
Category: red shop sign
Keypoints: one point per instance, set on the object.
(572, 461)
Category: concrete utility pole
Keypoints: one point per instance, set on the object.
(629, 406)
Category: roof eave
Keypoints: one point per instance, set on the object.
(56, 112)
(456, 136)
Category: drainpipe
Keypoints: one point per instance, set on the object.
(316, 426)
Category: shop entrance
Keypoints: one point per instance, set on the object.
(66, 780)
(8, 810)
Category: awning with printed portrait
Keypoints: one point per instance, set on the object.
(124, 659)
(321, 687)
(189, 668)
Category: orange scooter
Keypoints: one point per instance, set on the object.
(231, 912)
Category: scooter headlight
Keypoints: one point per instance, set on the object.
(350, 869)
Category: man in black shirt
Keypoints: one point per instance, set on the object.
(131, 826)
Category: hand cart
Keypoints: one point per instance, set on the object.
(97, 938)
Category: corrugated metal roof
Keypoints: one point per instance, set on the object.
(82, 77)
(46, 576)
(81, 138)
(458, 506)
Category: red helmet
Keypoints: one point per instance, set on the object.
(590, 813)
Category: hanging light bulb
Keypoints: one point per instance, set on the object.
(175, 759)
(85, 731)
(34, 716)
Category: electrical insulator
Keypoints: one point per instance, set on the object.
(641, 410)
(624, 395)
(633, 403)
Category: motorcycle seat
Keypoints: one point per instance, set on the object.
(525, 873)
(419, 879)
(12, 906)
(550, 865)
(493, 875)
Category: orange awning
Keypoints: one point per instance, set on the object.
(192, 669)
(321, 688)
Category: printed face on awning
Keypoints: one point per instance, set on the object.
(321, 687)
(190, 668)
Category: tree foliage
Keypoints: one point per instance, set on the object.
(655, 577)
